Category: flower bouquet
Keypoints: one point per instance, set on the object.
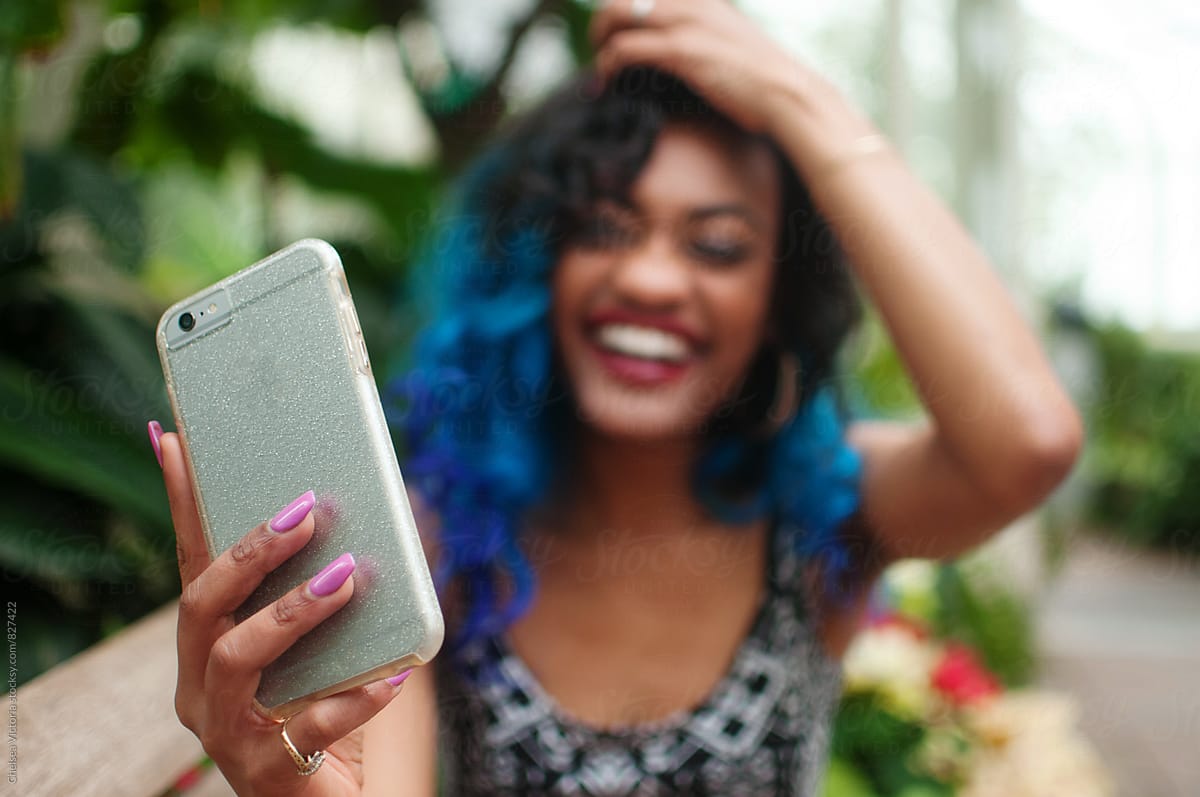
(923, 716)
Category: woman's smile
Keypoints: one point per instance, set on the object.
(642, 349)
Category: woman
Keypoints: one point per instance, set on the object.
(643, 320)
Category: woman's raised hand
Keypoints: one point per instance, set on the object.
(220, 661)
(709, 44)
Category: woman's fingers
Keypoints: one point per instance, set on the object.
(192, 554)
(635, 47)
(709, 44)
(208, 601)
(327, 721)
(228, 582)
(239, 655)
(190, 547)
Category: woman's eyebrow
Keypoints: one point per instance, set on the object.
(726, 209)
(739, 209)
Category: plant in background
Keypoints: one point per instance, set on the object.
(140, 161)
(1144, 458)
(922, 715)
(85, 544)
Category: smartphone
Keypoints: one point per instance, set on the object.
(273, 395)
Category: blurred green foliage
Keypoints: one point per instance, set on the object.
(1144, 460)
(880, 386)
(976, 608)
(162, 169)
(872, 749)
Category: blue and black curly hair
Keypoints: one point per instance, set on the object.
(483, 408)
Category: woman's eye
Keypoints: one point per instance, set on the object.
(720, 251)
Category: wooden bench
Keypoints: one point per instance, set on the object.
(103, 723)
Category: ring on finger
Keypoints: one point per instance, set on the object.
(305, 764)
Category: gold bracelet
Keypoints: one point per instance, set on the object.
(859, 148)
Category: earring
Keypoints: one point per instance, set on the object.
(787, 392)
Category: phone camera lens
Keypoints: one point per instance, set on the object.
(187, 321)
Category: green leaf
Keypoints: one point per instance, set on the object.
(10, 143)
(843, 780)
(30, 24)
(875, 741)
(209, 226)
(1144, 456)
(882, 380)
(990, 619)
(47, 429)
(29, 547)
(926, 790)
(862, 727)
(578, 17)
(120, 366)
(58, 181)
(230, 120)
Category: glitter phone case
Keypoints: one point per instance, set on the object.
(273, 395)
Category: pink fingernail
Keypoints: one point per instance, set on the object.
(332, 577)
(290, 516)
(396, 680)
(156, 432)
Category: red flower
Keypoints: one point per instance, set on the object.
(961, 678)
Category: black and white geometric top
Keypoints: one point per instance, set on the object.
(762, 731)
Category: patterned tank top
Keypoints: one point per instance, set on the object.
(762, 730)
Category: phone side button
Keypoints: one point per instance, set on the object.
(363, 361)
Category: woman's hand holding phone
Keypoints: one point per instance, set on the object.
(221, 661)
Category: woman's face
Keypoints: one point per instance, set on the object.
(661, 304)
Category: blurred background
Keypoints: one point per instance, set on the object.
(148, 149)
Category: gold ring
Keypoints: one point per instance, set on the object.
(305, 764)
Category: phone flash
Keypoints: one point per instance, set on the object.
(212, 308)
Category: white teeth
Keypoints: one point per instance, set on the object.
(645, 342)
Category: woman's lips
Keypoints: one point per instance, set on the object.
(641, 349)
(638, 370)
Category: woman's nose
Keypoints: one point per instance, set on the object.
(651, 273)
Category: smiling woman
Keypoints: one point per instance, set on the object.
(650, 521)
(679, 272)
(624, 267)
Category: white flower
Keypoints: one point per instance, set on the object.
(1030, 748)
(893, 661)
